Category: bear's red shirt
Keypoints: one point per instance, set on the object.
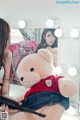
(47, 84)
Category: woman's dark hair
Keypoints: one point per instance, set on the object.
(43, 43)
(4, 38)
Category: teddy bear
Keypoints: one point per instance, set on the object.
(48, 93)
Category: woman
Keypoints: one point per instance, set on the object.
(5, 57)
(49, 41)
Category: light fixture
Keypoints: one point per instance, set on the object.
(58, 70)
(72, 71)
(21, 24)
(71, 110)
(50, 23)
(74, 33)
(58, 32)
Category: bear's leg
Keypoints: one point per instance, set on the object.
(22, 116)
(53, 112)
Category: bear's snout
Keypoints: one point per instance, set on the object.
(22, 78)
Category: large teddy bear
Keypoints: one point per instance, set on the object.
(48, 94)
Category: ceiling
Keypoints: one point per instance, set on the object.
(36, 12)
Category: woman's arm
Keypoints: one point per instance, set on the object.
(54, 52)
(7, 68)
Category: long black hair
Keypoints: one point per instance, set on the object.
(4, 38)
(43, 43)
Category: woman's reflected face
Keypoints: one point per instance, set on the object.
(49, 38)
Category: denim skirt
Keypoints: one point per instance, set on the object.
(45, 98)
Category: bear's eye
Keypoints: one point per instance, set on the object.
(32, 69)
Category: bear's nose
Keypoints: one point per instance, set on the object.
(22, 78)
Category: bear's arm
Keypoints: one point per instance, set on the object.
(67, 87)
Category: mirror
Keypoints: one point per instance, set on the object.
(25, 42)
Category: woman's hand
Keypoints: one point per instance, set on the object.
(18, 100)
(6, 108)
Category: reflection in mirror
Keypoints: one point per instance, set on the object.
(50, 42)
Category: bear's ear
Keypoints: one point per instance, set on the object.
(46, 54)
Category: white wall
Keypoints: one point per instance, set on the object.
(38, 11)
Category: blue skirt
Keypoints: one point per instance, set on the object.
(45, 98)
